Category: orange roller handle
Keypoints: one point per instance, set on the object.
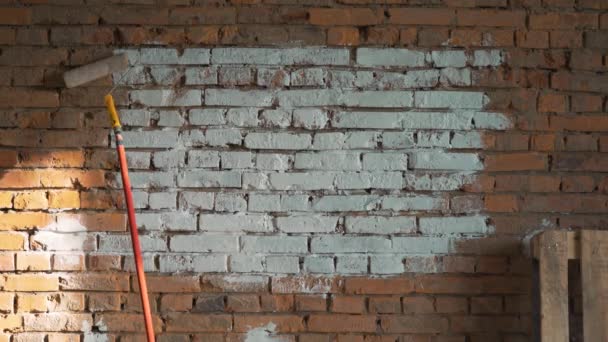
(126, 184)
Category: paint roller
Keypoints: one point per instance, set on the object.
(86, 74)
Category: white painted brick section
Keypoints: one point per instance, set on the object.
(300, 160)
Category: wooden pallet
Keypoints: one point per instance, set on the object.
(553, 249)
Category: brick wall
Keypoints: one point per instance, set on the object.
(318, 170)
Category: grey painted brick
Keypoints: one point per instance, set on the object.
(234, 97)
(272, 161)
(406, 120)
(196, 200)
(235, 223)
(450, 99)
(137, 75)
(317, 56)
(341, 79)
(198, 158)
(235, 75)
(386, 264)
(243, 263)
(397, 139)
(328, 161)
(205, 179)
(453, 225)
(158, 56)
(415, 202)
(193, 263)
(60, 241)
(318, 264)
(467, 140)
(361, 139)
(328, 141)
(488, 120)
(433, 139)
(310, 118)
(420, 245)
(192, 137)
(201, 76)
(223, 137)
(295, 202)
(456, 77)
(246, 56)
(274, 244)
(282, 264)
(151, 179)
(148, 261)
(163, 200)
(422, 264)
(302, 181)
(332, 97)
(396, 80)
(255, 181)
(138, 160)
(385, 161)
(367, 120)
(204, 243)
(369, 180)
(349, 244)
(273, 56)
(122, 243)
(351, 264)
(169, 159)
(236, 160)
(195, 56)
(170, 118)
(275, 118)
(278, 141)
(380, 224)
(334, 203)
(482, 58)
(242, 117)
(308, 77)
(150, 139)
(166, 97)
(264, 203)
(230, 202)
(207, 116)
(307, 224)
(272, 77)
(390, 57)
(167, 76)
(450, 58)
(177, 221)
(134, 117)
(438, 160)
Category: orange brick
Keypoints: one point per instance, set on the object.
(31, 282)
(15, 16)
(433, 37)
(583, 123)
(501, 203)
(421, 16)
(543, 142)
(15, 179)
(51, 158)
(6, 199)
(277, 303)
(95, 222)
(67, 178)
(492, 18)
(408, 36)
(356, 285)
(31, 302)
(343, 36)
(21, 221)
(203, 35)
(104, 302)
(586, 103)
(311, 303)
(418, 305)
(31, 200)
(498, 38)
(64, 199)
(342, 323)
(12, 241)
(7, 261)
(7, 302)
(345, 16)
(384, 305)
(285, 323)
(104, 262)
(170, 302)
(8, 159)
(567, 21)
(466, 38)
(381, 35)
(243, 303)
(347, 304)
(32, 261)
(10, 322)
(68, 262)
(516, 162)
(566, 39)
(555, 103)
(532, 39)
(7, 37)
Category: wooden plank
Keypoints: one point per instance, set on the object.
(553, 284)
(574, 245)
(594, 265)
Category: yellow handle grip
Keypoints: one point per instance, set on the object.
(109, 100)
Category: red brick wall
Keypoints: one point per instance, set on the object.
(547, 172)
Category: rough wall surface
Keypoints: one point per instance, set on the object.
(318, 170)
